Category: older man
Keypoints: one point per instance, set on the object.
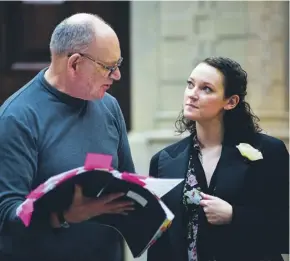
(48, 127)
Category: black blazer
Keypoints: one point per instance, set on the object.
(257, 190)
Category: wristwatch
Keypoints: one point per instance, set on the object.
(63, 223)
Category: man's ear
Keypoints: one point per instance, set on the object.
(73, 61)
(232, 102)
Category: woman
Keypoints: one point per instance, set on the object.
(234, 202)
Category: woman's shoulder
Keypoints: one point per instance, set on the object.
(270, 145)
(174, 148)
(269, 141)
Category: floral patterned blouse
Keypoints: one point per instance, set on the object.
(191, 200)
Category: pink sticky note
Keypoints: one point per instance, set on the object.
(100, 161)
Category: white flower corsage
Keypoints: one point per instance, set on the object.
(249, 152)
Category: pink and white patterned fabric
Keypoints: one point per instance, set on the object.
(92, 162)
(99, 162)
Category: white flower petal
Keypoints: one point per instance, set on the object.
(249, 152)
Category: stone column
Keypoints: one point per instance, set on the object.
(268, 63)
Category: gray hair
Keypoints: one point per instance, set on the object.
(70, 37)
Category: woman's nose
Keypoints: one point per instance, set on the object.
(193, 93)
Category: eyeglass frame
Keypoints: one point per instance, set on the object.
(111, 69)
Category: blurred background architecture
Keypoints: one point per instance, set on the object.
(161, 42)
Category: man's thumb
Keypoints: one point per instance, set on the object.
(78, 194)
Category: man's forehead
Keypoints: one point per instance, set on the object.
(109, 57)
(107, 51)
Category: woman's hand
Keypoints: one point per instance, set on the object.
(217, 211)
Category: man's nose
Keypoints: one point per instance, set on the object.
(116, 75)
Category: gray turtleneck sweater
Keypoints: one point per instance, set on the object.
(44, 132)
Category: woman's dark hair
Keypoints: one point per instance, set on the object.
(240, 123)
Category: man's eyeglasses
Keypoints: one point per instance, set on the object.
(111, 69)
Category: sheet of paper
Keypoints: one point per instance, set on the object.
(160, 187)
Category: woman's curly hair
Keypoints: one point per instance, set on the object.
(240, 123)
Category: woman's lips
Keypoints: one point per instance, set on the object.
(191, 105)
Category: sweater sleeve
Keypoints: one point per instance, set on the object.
(18, 164)
(153, 167)
(161, 247)
(124, 151)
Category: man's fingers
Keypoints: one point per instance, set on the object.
(108, 198)
(78, 194)
(113, 208)
(118, 207)
(99, 207)
(120, 204)
(121, 210)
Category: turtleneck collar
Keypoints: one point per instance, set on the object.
(61, 96)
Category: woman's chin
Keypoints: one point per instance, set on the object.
(191, 116)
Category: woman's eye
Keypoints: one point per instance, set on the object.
(189, 84)
(207, 89)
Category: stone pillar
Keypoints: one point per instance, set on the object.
(268, 64)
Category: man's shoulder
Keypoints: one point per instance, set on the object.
(21, 101)
(110, 104)
(109, 100)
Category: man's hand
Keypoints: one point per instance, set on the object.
(217, 211)
(83, 208)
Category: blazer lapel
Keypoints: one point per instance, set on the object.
(175, 166)
(228, 178)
